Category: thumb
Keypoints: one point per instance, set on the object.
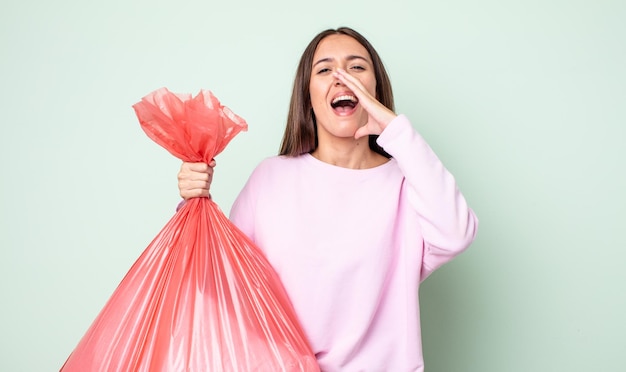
(361, 132)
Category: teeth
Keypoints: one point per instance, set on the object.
(344, 98)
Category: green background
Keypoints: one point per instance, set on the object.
(524, 101)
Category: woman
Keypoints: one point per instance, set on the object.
(354, 213)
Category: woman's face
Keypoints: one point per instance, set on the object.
(336, 108)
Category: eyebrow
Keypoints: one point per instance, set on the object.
(349, 58)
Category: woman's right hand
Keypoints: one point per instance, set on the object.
(194, 179)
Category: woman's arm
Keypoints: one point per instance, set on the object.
(448, 224)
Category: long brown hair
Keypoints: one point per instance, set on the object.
(301, 131)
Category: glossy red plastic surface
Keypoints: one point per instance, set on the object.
(202, 296)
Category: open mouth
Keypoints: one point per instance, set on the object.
(344, 103)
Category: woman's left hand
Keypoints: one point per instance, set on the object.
(379, 116)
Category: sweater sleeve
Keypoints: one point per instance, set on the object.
(447, 224)
(243, 210)
(240, 214)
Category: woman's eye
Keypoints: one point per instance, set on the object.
(357, 67)
(323, 70)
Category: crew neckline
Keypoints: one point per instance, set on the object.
(322, 164)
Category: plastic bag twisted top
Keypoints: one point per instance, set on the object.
(194, 129)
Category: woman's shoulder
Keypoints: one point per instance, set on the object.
(274, 172)
(281, 161)
(278, 165)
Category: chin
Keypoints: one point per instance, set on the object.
(345, 133)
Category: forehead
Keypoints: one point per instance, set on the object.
(338, 47)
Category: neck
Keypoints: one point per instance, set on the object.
(352, 154)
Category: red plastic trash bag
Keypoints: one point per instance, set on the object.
(202, 296)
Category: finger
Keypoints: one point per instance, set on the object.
(362, 132)
(378, 112)
(366, 100)
(197, 167)
(194, 185)
(193, 189)
(353, 83)
(189, 175)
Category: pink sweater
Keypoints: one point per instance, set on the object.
(352, 246)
